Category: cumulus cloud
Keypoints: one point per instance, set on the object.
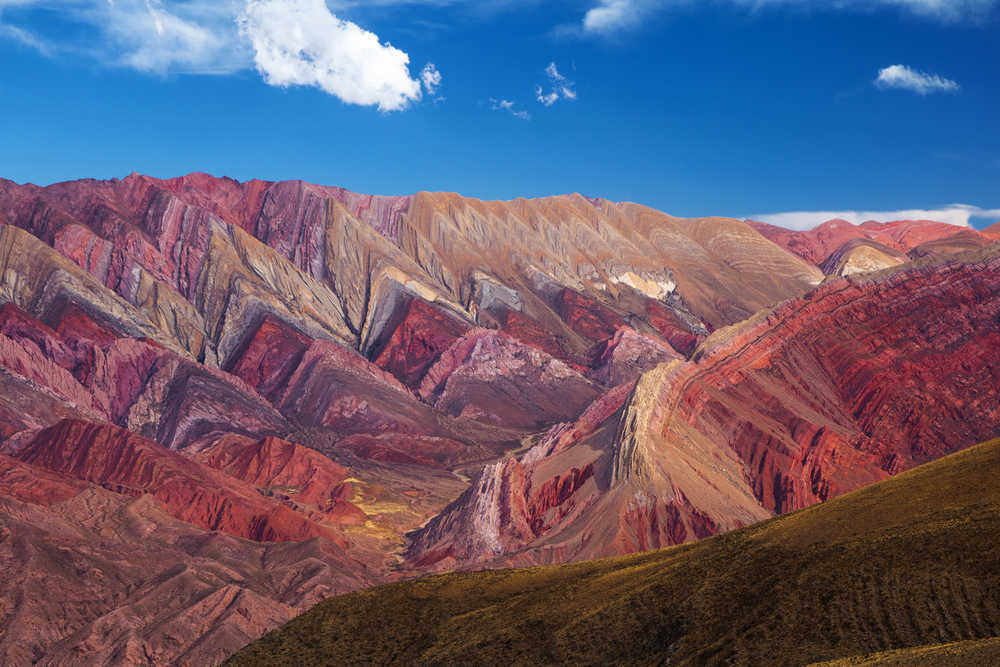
(510, 107)
(560, 87)
(300, 43)
(955, 214)
(922, 83)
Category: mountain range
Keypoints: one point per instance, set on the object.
(877, 576)
(224, 402)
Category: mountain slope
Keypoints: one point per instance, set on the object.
(297, 369)
(903, 563)
(816, 245)
(860, 379)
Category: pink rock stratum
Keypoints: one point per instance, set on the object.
(221, 402)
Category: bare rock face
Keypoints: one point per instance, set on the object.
(417, 341)
(859, 380)
(269, 356)
(205, 259)
(297, 476)
(627, 355)
(137, 586)
(514, 502)
(861, 255)
(818, 244)
(488, 376)
(222, 401)
(125, 463)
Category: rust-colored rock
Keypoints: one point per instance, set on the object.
(105, 578)
(30, 484)
(295, 475)
(125, 463)
(417, 341)
(185, 358)
(859, 380)
(270, 356)
(817, 244)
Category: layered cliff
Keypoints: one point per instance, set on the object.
(200, 372)
(856, 381)
(816, 245)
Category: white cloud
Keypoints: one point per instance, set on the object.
(300, 43)
(562, 88)
(431, 78)
(510, 107)
(955, 214)
(290, 42)
(611, 17)
(922, 83)
(547, 99)
(194, 36)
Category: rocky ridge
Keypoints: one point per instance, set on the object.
(858, 380)
(259, 389)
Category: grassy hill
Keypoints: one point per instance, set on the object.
(907, 563)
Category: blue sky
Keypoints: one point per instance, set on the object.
(696, 107)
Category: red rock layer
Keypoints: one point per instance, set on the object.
(531, 332)
(862, 379)
(131, 465)
(514, 502)
(416, 342)
(588, 317)
(295, 475)
(102, 578)
(31, 484)
(270, 356)
(816, 244)
(681, 335)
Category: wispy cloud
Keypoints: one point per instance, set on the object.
(559, 87)
(922, 83)
(612, 17)
(289, 42)
(955, 214)
(197, 36)
(510, 107)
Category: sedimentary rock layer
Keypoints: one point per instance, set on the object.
(854, 382)
(220, 401)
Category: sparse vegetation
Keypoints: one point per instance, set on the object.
(905, 564)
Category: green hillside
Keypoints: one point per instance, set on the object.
(911, 562)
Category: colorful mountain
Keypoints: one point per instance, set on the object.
(222, 402)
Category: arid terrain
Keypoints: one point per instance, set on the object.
(222, 403)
